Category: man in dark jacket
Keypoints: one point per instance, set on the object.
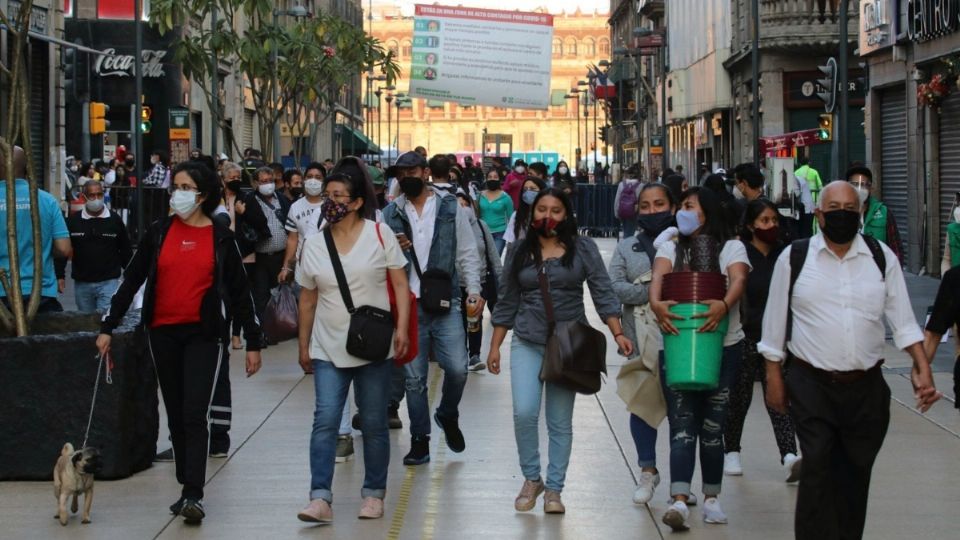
(101, 248)
(265, 211)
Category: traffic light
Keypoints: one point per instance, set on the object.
(98, 120)
(146, 113)
(829, 84)
(69, 59)
(603, 134)
(825, 131)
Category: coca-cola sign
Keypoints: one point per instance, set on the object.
(121, 65)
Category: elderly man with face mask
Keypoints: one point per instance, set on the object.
(824, 318)
(438, 241)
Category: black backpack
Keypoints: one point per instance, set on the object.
(798, 256)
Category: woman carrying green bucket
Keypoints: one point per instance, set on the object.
(697, 406)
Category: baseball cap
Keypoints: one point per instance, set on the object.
(405, 161)
(376, 175)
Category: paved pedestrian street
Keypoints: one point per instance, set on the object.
(256, 492)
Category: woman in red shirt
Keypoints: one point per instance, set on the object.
(194, 276)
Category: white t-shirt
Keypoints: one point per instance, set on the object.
(733, 252)
(508, 235)
(303, 218)
(365, 268)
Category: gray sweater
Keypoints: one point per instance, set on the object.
(626, 265)
(520, 305)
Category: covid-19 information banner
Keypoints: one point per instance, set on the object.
(482, 56)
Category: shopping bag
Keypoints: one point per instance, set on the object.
(280, 315)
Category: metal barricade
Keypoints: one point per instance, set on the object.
(123, 200)
(594, 207)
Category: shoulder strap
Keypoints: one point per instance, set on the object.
(338, 271)
(545, 293)
(798, 256)
(379, 237)
(878, 256)
(413, 250)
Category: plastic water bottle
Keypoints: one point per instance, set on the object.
(473, 315)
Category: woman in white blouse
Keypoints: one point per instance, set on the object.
(369, 259)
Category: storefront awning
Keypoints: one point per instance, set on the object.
(355, 143)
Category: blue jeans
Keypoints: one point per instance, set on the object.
(498, 241)
(699, 415)
(331, 384)
(525, 361)
(94, 295)
(443, 334)
(645, 439)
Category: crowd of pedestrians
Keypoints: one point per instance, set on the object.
(428, 245)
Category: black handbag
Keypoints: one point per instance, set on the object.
(576, 353)
(436, 286)
(371, 328)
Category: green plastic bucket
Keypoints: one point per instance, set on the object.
(693, 358)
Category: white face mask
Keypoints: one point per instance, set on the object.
(862, 193)
(267, 189)
(313, 187)
(94, 206)
(184, 203)
(518, 169)
(956, 214)
(563, 170)
(737, 193)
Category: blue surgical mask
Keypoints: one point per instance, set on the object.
(687, 222)
(529, 196)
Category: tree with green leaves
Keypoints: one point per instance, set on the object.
(292, 71)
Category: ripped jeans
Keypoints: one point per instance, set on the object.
(699, 415)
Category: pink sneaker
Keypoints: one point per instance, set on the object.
(318, 511)
(372, 508)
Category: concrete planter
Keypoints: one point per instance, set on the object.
(45, 391)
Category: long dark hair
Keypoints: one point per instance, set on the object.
(520, 221)
(754, 209)
(528, 250)
(557, 177)
(717, 184)
(715, 221)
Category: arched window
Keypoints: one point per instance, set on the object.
(589, 48)
(393, 47)
(557, 48)
(407, 49)
(571, 46)
(604, 47)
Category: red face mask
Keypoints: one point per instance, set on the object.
(546, 227)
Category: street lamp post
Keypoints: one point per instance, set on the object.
(297, 12)
(389, 126)
(402, 99)
(574, 95)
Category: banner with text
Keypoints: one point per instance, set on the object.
(482, 56)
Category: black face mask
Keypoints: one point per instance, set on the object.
(492, 185)
(234, 185)
(411, 186)
(841, 226)
(296, 192)
(654, 224)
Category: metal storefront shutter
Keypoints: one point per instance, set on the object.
(893, 157)
(949, 159)
(39, 70)
(249, 121)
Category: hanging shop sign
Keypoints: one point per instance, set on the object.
(878, 25)
(932, 19)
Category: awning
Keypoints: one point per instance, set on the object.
(353, 142)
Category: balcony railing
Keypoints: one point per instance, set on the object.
(804, 24)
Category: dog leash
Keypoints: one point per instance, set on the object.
(96, 389)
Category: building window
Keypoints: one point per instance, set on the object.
(469, 141)
(529, 140)
(557, 48)
(393, 47)
(571, 46)
(407, 50)
(589, 48)
(604, 47)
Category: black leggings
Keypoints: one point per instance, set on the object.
(741, 395)
(187, 366)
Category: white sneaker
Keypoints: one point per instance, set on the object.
(791, 464)
(676, 516)
(731, 464)
(648, 482)
(712, 513)
(691, 500)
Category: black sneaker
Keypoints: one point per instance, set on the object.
(393, 416)
(165, 456)
(192, 511)
(451, 429)
(419, 451)
(177, 506)
(355, 422)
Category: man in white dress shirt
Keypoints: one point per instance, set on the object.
(837, 396)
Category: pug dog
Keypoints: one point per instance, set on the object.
(73, 475)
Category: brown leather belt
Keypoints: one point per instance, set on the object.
(836, 377)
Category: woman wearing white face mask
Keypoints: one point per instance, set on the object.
(194, 275)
